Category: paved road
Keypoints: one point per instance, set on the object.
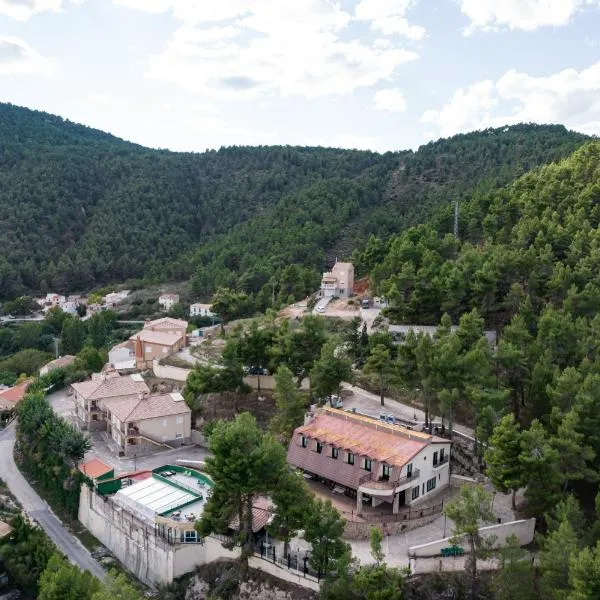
(369, 403)
(37, 509)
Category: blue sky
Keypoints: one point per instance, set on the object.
(376, 74)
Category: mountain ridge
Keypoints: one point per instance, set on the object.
(83, 208)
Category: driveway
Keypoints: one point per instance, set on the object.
(370, 404)
(38, 510)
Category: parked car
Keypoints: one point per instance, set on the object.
(391, 419)
(366, 303)
(257, 371)
(336, 401)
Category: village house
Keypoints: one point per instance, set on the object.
(167, 301)
(201, 310)
(339, 281)
(167, 325)
(89, 396)
(10, 397)
(51, 300)
(134, 419)
(59, 363)
(378, 462)
(141, 421)
(150, 345)
(114, 298)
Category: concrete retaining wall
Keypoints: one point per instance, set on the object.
(523, 529)
(199, 439)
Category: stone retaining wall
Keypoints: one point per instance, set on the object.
(362, 531)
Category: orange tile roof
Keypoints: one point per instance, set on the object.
(12, 396)
(95, 468)
(110, 386)
(134, 408)
(166, 323)
(160, 338)
(365, 437)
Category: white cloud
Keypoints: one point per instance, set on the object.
(570, 97)
(272, 47)
(357, 142)
(389, 17)
(391, 100)
(526, 15)
(17, 57)
(210, 129)
(104, 100)
(23, 9)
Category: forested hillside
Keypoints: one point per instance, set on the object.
(528, 263)
(79, 207)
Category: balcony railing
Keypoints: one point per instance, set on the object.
(441, 462)
(369, 480)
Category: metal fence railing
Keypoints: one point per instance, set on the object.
(408, 514)
(295, 562)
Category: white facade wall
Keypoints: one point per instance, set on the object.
(523, 529)
(167, 302)
(201, 310)
(423, 461)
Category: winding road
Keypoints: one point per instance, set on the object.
(37, 509)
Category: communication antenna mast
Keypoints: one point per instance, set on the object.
(455, 218)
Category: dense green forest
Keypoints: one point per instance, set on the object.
(81, 208)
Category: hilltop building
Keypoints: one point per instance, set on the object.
(339, 281)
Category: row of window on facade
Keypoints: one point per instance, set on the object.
(430, 485)
(438, 457)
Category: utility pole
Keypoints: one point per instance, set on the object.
(455, 218)
(56, 347)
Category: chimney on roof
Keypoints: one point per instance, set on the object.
(139, 353)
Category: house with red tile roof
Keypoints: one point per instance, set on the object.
(138, 422)
(134, 419)
(89, 396)
(374, 461)
(11, 397)
(97, 470)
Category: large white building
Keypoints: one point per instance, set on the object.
(201, 310)
(380, 462)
